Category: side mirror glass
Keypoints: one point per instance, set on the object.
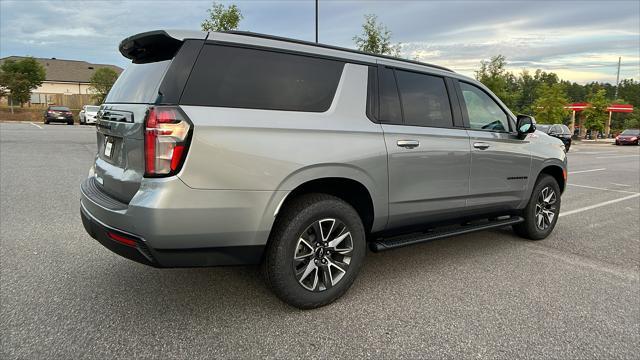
(526, 124)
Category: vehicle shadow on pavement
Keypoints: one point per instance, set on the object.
(239, 289)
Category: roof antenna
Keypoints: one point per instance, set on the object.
(316, 21)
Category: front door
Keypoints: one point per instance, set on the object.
(500, 161)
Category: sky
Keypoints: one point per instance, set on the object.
(579, 40)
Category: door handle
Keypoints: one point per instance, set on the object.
(481, 145)
(409, 144)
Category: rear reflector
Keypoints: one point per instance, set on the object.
(165, 140)
(121, 239)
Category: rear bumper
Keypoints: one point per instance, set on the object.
(142, 253)
(56, 119)
(99, 232)
(176, 226)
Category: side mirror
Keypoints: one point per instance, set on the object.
(526, 124)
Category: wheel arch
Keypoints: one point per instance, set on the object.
(558, 172)
(351, 191)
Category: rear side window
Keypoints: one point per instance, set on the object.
(424, 98)
(390, 111)
(139, 83)
(226, 76)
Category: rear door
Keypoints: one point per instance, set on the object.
(156, 79)
(500, 161)
(428, 156)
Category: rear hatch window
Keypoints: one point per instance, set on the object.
(139, 83)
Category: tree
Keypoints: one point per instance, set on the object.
(502, 83)
(596, 114)
(633, 120)
(376, 38)
(630, 91)
(101, 82)
(549, 107)
(20, 77)
(221, 18)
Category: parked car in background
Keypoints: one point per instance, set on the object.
(240, 148)
(58, 114)
(88, 114)
(629, 136)
(559, 131)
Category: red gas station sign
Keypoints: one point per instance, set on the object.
(620, 108)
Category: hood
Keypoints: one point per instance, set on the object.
(542, 137)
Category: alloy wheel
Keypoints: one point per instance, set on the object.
(323, 254)
(546, 208)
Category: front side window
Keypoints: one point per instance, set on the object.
(226, 76)
(484, 113)
(425, 101)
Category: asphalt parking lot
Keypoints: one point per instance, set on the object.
(483, 295)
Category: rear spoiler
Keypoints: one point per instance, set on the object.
(156, 45)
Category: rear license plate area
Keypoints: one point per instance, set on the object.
(109, 144)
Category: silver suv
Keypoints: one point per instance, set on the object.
(241, 148)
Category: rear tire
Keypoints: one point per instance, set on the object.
(69, 122)
(315, 251)
(541, 213)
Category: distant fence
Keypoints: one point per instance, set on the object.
(73, 101)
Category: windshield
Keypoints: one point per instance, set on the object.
(92, 108)
(59, 108)
(139, 83)
(634, 132)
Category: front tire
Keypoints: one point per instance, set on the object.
(315, 251)
(541, 213)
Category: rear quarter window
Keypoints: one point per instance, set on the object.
(227, 76)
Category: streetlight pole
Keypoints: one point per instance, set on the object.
(316, 21)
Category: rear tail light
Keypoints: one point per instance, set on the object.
(165, 140)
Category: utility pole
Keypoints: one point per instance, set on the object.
(607, 128)
(617, 77)
(316, 21)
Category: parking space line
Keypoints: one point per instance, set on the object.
(616, 156)
(571, 212)
(576, 152)
(616, 184)
(603, 189)
(585, 171)
(36, 125)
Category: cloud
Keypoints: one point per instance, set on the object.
(579, 39)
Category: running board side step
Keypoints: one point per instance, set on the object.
(411, 239)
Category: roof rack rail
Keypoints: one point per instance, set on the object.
(325, 46)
